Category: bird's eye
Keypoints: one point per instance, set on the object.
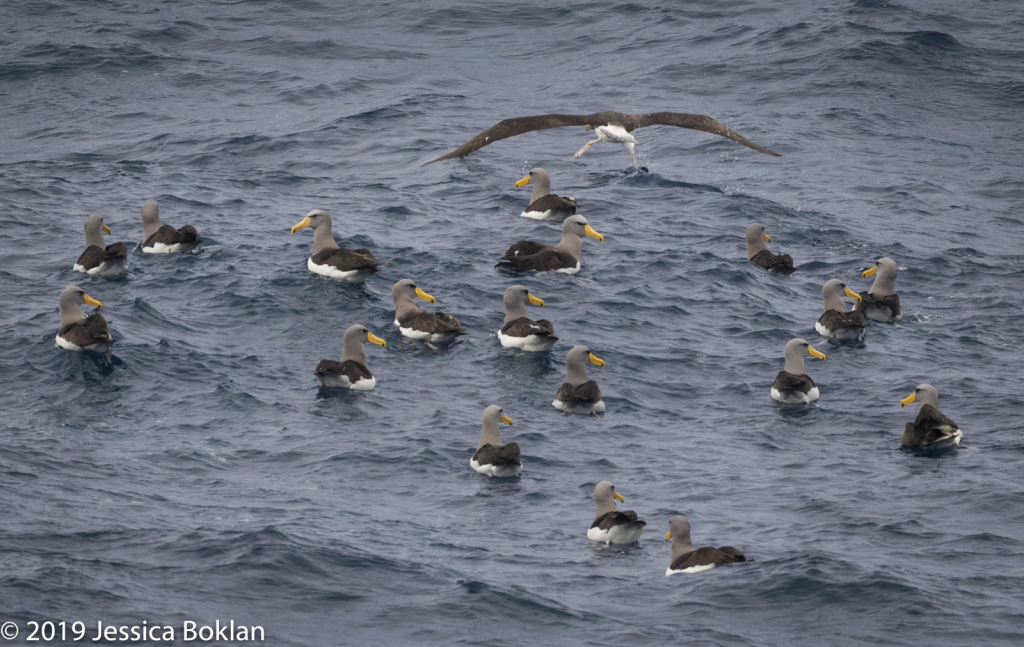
(806, 345)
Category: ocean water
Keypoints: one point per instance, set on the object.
(204, 477)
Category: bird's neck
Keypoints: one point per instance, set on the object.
(403, 306)
(323, 239)
(95, 238)
(576, 374)
(754, 246)
(540, 189)
(514, 310)
(795, 364)
(354, 351)
(70, 313)
(150, 228)
(835, 302)
(490, 435)
(571, 243)
(680, 546)
(605, 506)
(882, 286)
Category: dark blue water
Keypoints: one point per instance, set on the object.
(206, 478)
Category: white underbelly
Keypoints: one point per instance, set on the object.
(353, 276)
(621, 534)
(412, 333)
(531, 343)
(795, 397)
(570, 270)
(616, 134)
(161, 248)
(597, 407)
(692, 569)
(342, 382)
(63, 343)
(497, 471)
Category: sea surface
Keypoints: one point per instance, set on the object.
(203, 476)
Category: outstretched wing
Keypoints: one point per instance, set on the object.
(694, 122)
(518, 126)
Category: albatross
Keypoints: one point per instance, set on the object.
(158, 238)
(417, 323)
(545, 205)
(491, 457)
(99, 258)
(880, 302)
(611, 526)
(78, 332)
(837, 322)
(564, 257)
(931, 429)
(792, 384)
(518, 330)
(758, 253)
(351, 372)
(685, 559)
(609, 126)
(352, 265)
(579, 394)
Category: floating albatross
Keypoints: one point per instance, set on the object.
(579, 394)
(836, 322)
(351, 372)
(100, 259)
(931, 429)
(78, 332)
(684, 559)
(518, 330)
(417, 323)
(757, 251)
(792, 384)
(564, 257)
(352, 265)
(609, 126)
(880, 302)
(545, 205)
(491, 457)
(163, 239)
(611, 526)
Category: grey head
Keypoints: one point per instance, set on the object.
(71, 300)
(94, 228)
(323, 235)
(576, 364)
(403, 294)
(355, 337)
(833, 292)
(541, 182)
(516, 299)
(679, 533)
(490, 434)
(924, 394)
(574, 228)
(150, 218)
(756, 239)
(796, 351)
(885, 276)
(605, 497)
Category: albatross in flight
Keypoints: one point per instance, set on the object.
(609, 126)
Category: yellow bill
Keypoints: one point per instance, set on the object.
(523, 182)
(91, 301)
(302, 225)
(588, 126)
(423, 295)
(870, 271)
(506, 419)
(594, 359)
(814, 353)
(618, 497)
(593, 234)
(374, 339)
(853, 295)
(910, 398)
(534, 300)
(767, 238)
(105, 228)
(668, 535)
